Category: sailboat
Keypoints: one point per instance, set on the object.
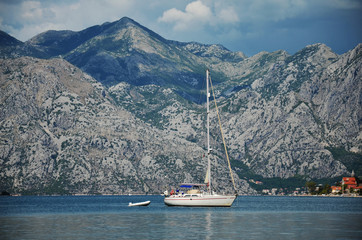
(195, 195)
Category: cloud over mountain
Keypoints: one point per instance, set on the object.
(249, 26)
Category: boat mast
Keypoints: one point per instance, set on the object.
(208, 131)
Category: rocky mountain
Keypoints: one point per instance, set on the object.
(7, 40)
(116, 108)
(302, 111)
(62, 133)
(10, 47)
(125, 51)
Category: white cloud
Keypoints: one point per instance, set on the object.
(195, 13)
(228, 15)
(198, 11)
(217, 13)
(31, 11)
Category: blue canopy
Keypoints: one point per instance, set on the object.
(190, 185)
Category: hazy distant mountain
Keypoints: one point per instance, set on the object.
(136, 128)
(7, 44)
(10, 47)
(7, 40)
(56, 43)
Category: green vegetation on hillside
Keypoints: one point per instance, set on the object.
(353, 161)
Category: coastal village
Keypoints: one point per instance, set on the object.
(348, 186)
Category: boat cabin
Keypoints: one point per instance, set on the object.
(188, 190)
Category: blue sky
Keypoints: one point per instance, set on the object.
(250, 26)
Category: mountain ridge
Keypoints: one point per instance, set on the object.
(76, 123)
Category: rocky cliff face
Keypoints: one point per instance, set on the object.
(62, 133)
(288, 121)
(135, 122)
(285, 115)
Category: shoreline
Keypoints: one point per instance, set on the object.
(139, 194)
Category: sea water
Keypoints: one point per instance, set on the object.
(109, 217)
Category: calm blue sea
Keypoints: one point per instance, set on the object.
(109, 217)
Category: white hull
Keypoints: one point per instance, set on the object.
(200, 201)
(146, 203)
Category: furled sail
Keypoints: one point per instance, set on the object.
(207, 177)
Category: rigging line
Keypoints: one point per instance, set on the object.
(222, 135)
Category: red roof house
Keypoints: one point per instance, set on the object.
(351, 182)
(336, 189)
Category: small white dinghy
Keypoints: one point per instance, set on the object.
(146, 203)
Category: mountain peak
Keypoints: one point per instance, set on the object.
(7, 40)
(126, 20)
(316, 54)
(120, 24)
(317, 47)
